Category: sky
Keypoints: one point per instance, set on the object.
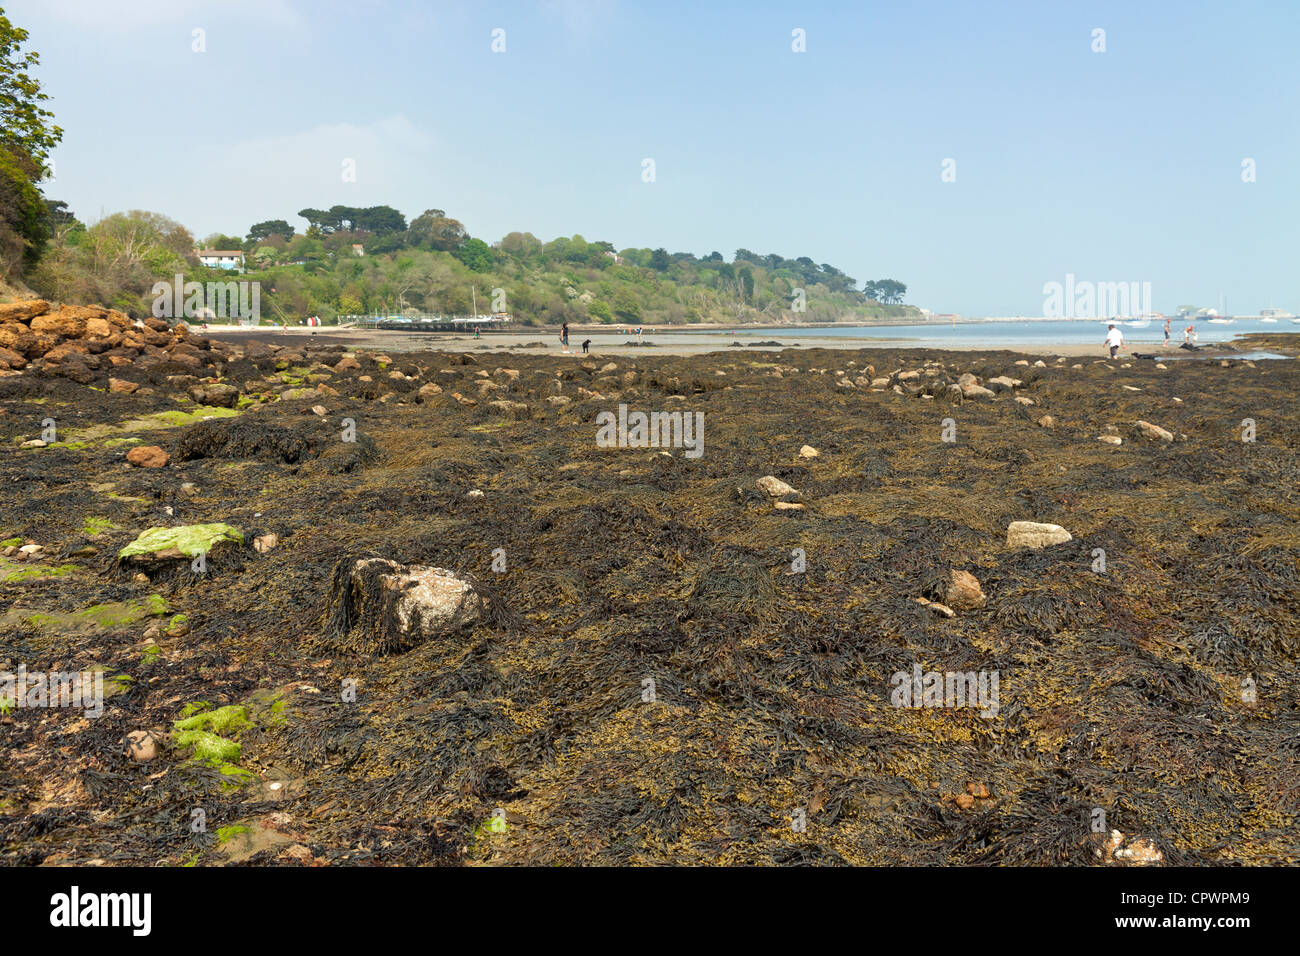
(1169, 157)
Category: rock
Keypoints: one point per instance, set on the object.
(265, 542)
(1151, 432)
(427, 392)
(31, 549)
(808, 451)
(1047, 421)
(140, 746)
(12, 359)
(23, 311)
(346, 364)
(121, 385)
(1138, 853)
(942, 610)
(34, 443)
(966, 378)
(1040, 364)
(1031, 534)
(385, 607)
(775, 486)
(879, 382)
(474, 493)
(976, 391)
(1022, 362)
(148, 456)
(217, 394)
(1024, 400)
(1110, 439)
(964, 591)
(319, 410)
(1006, 381)
(788, 506)
(180, 543)
(558, 399)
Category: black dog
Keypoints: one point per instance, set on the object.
(584, 346)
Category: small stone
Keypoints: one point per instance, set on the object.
(788, 506)
(148, 456)
(964, 591)
(775, 486)
(978, 790)
(1040, 364)
(265, 542)
(474, 493)
(122, 386)
(318, 410)
(34, 443)
(1110, 439)
(31, 549)
(140, 746)
(1151, 432)
(808, 451)
(1047, 421)
(1024, 400)
(964, 800)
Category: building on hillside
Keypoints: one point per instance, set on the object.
(222, 258)
(358, 249)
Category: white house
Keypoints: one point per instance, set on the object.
(222, 258)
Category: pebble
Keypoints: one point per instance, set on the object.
(1032, 534)
(141, 746)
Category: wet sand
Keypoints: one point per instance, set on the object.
(609, 345)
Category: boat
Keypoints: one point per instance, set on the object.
(1268, 320)
(1138, 323)
(1220, 321)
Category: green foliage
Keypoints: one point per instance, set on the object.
(434, 266)
(25, 127)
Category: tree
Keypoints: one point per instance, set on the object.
(380, 220)
(221, 241)
(476, 254)
(659, 260)
(271, 227)
(433, 229)
(25, 126)
(26, 138)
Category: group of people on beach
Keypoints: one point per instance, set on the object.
(1115, 338)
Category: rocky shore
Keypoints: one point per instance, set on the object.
(373, 608)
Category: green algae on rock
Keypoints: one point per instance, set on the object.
(185, 541)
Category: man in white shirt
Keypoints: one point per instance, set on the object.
(1114, 339)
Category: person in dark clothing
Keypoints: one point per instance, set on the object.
(564, 335)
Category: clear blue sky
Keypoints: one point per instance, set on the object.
(1117, 166)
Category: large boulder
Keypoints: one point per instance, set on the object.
(384, 607)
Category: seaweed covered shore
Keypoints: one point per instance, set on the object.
(682, 658)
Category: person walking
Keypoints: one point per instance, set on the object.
(1167, 333)
(1115, 340)
(564, 336)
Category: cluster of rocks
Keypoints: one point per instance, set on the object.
(86, 343)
